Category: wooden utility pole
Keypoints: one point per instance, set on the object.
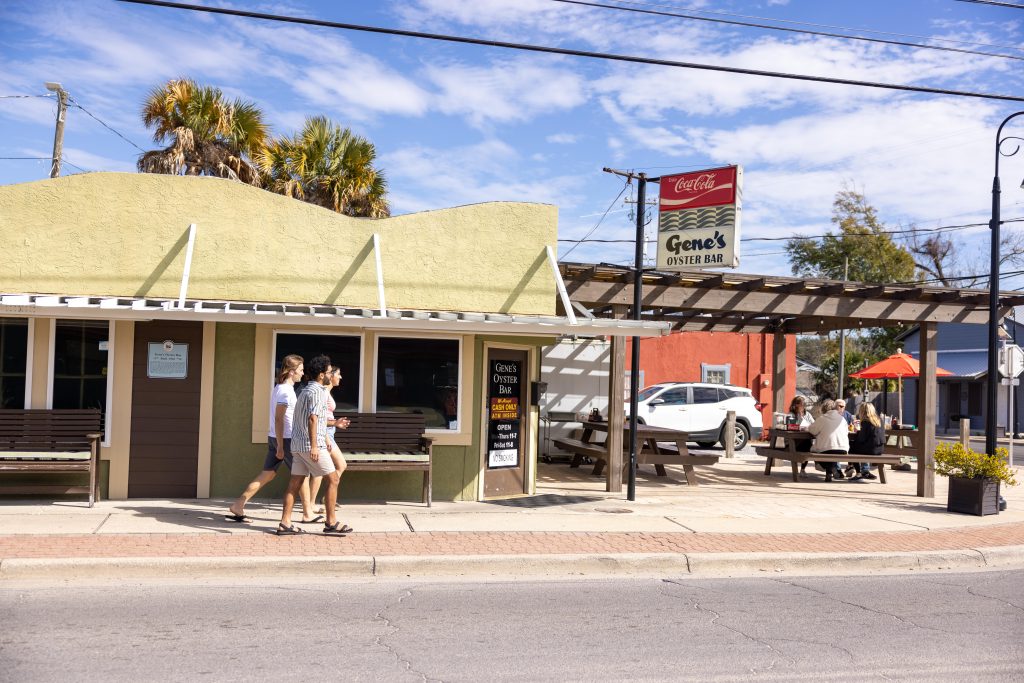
(58, 134)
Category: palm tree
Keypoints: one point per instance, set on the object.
(208, 134)
(326, 165)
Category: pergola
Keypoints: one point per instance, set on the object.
(712, 301)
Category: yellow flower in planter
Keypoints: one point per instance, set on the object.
(956, 460)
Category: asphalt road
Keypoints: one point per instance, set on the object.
(928, 627)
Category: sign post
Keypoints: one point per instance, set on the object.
(1011, 365)
(699, 219)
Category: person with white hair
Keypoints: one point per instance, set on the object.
(831, 437)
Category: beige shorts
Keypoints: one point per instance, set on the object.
(303, 464)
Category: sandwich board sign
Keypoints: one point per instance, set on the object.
(699, 219)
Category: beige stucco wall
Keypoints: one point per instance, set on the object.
(125, 234)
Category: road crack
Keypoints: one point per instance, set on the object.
(863, 607)
(717, 621)
(394, 629)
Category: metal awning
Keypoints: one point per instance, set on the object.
(146, 308)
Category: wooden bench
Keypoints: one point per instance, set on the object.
(51, 442)
(799, 457)
(387, 442)
(667, 455)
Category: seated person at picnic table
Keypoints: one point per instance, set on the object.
(869, 440)
(799, 415)
(831, 437)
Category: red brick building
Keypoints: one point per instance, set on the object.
(721, 357)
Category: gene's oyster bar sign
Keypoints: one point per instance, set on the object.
(699, 219)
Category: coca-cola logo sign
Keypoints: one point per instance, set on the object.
(701, 188)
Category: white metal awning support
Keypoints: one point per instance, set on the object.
(380, 276)
(413, 321)
(562, 294)
(188, 265)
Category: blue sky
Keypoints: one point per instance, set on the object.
(460, 124)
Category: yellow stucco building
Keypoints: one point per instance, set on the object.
(169, 301)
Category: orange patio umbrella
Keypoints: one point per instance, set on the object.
(896, 366)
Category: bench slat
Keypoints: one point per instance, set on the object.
(51, 442)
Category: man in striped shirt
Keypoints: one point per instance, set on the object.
(311, 454)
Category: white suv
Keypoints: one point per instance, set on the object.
(700, 410)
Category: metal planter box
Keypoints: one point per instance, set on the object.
(973, 496)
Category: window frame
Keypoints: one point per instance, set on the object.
(386, 334)
(29, 341)
(321, 333)
(725, 368)
(52, 347)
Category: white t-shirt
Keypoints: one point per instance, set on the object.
(282, 395)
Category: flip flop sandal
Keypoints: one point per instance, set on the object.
(241, 519)
(318, 518)
(337, 529)
(292, 530)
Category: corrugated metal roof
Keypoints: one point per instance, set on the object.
(964, 364)
(145, 308)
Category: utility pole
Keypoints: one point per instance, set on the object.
(842, 339)
(58, 134)
(638, 279)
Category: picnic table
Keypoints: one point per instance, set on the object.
(658, 446)
(789, 451)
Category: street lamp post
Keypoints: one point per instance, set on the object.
(993, 290)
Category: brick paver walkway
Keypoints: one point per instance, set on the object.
(497, 543)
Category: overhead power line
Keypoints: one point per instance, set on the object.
(104, 124)
(21, 97)
(829, 26)
(907, 231)
(993, 2)
(733, 22)
(574, 53)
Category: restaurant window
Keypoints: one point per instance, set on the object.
(80, 365)
(714, 374)
(419, 376)
(13, 361)
(345, 352)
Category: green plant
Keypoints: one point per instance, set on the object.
(957, 460)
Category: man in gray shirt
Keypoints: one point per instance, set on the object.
(310, 453)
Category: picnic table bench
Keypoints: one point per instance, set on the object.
(789, 452)
(651, 452)
(387, 442)
(58, 441)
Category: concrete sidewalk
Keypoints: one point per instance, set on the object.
(737, 521)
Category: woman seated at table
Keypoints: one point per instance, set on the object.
(831, 437)
(869, 440)
(799, 415)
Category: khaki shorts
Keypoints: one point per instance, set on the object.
(302, 464)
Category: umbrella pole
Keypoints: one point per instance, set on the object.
(899, 388)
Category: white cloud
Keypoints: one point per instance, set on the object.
(562, 138)
(509, 91)
(491, 170)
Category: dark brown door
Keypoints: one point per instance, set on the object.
(164, 453)
(506, 423)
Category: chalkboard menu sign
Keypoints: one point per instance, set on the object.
(503, 417)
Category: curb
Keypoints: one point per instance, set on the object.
(509, 567)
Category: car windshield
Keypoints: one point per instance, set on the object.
(648, 392)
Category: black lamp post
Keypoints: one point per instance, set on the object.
(993, 291)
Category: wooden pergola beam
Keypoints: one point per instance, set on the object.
(774, 304)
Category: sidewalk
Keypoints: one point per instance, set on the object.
(736, 522)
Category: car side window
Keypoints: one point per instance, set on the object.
(675, 397)
(705, 395)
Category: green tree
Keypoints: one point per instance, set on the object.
(861, 237)
(326, 165)
(873, 258)
(208, 134)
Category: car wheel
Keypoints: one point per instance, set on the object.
(740, 437)
(706, 444)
